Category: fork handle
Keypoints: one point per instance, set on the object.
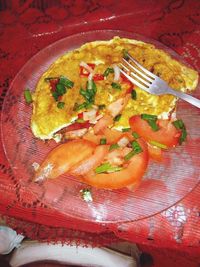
(188, 98)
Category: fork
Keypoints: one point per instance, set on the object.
(149, 82)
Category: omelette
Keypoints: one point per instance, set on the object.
(87, 79)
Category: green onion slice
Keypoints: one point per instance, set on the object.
(157, 144)
(103, 141)
(28, 96)
(66, 82)
(151, 119)
(113, 146)
(179, 124)
(60, 105)
(116, 86)
(126, 130)
(107, 167)
(135, 135)
(136, 150)
(108, 71)
(133, 94)
(118, 117)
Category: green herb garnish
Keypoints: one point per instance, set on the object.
(78, 107)
(60, 89)
(118, 117)
(151, 119)
(66, 82)
(179, 124)
(89, 93)
(113, 146)
(60, 105)
(108, 71)
(107, 167)
(28, 96)
(125, 54)
(101, 107)
(136, 135)
(116, 86)
(133, 94)
(103, 141)
(136, 150)
(126, 130)
(86, 194)
(157, 144)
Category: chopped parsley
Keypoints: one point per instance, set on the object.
(126, 130)
(135, 135)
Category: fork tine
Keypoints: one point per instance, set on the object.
(136, 70)
(140, 66)
(134, 81)
(136, 76)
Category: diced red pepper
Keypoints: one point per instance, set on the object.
(84, 72)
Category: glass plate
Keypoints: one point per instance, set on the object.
(163, 185)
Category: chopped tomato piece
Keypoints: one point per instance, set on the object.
(130, 86)
(130, 174)
(103, 123)
(64, 157)
(91, 162)
(155, 153)
(77, 126)
(53, 83)
(98, 77)
(167, 134)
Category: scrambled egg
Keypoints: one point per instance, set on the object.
(47, 118)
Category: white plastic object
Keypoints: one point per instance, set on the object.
(31, 251)
(9, 239)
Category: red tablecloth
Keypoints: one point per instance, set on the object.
(27, 27)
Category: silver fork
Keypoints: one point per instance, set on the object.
(151, 83)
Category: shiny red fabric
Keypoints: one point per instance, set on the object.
(172, 237)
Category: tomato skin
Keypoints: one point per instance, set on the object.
(155, 153)
(62, 158)
(167, 134)
(92, 162)
(132, 174)
(77, 126)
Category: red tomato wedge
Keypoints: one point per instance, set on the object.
(64, 157)
(131, 174)
(92, 162)
(155, 153)
(167, 134)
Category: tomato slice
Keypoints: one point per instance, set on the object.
(155, 153)
(167, 134)
(63, 157)
(92, 162)
(131, 174)
(98, 77)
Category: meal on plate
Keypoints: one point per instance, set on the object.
(107, 127)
